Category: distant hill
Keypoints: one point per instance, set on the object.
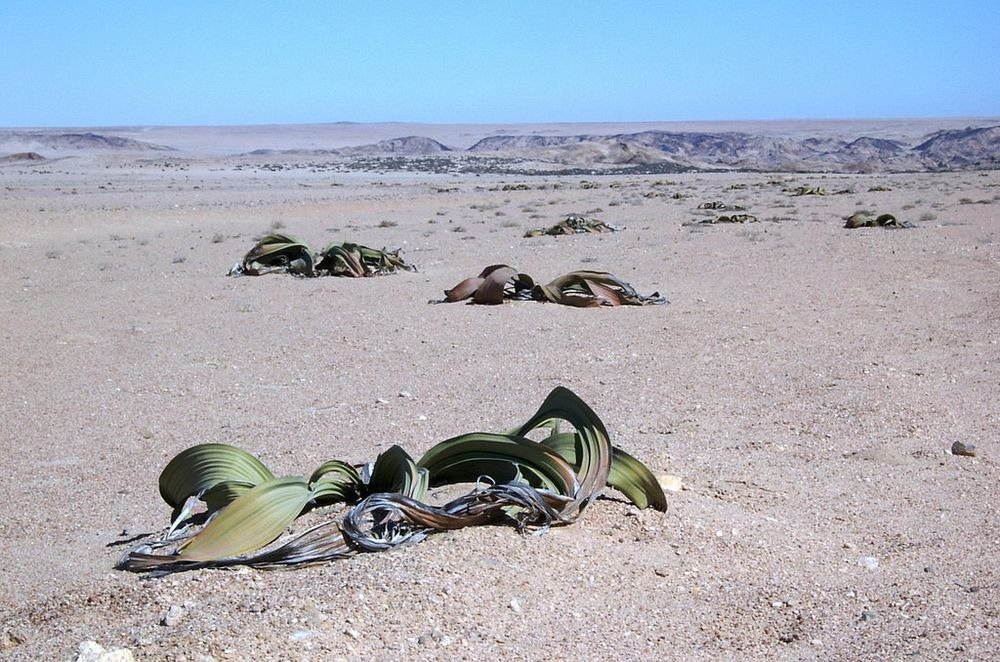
(970, 148)
(21, 157)
(405, 146)
(964, 149)
(70, 141)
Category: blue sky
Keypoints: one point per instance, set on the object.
(133, 63)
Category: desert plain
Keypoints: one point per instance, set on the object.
(806, 384)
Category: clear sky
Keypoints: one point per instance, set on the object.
(80, 63)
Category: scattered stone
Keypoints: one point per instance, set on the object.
(91, 651)
(869, 562)
(515, 605)
(352, 633)
(962, 448)
(868, 615)
(405, 394)
(777, 604)
(301, 635)
(670, 482)
(172, 616)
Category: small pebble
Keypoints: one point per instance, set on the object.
(670, 483)
(172, 616)
(515, 605)
(868, 615)
(961, 448)
(869, 562)
(91, 651)
(352, 633)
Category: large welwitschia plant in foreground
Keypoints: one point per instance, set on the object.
(229, 509)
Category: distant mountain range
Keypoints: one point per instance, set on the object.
(961, 149)
(964, 149)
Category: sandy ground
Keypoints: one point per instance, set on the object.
(806, 382)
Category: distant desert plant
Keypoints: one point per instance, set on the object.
(582, 289)
(283, 253)
(574, 224)
(808, 190)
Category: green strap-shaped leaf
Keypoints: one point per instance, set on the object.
(502, 458)
(201, 467)
(225, 492)
(395, 471)
(594, 453)
(251, 521)
(627, 475)
(335, 481)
